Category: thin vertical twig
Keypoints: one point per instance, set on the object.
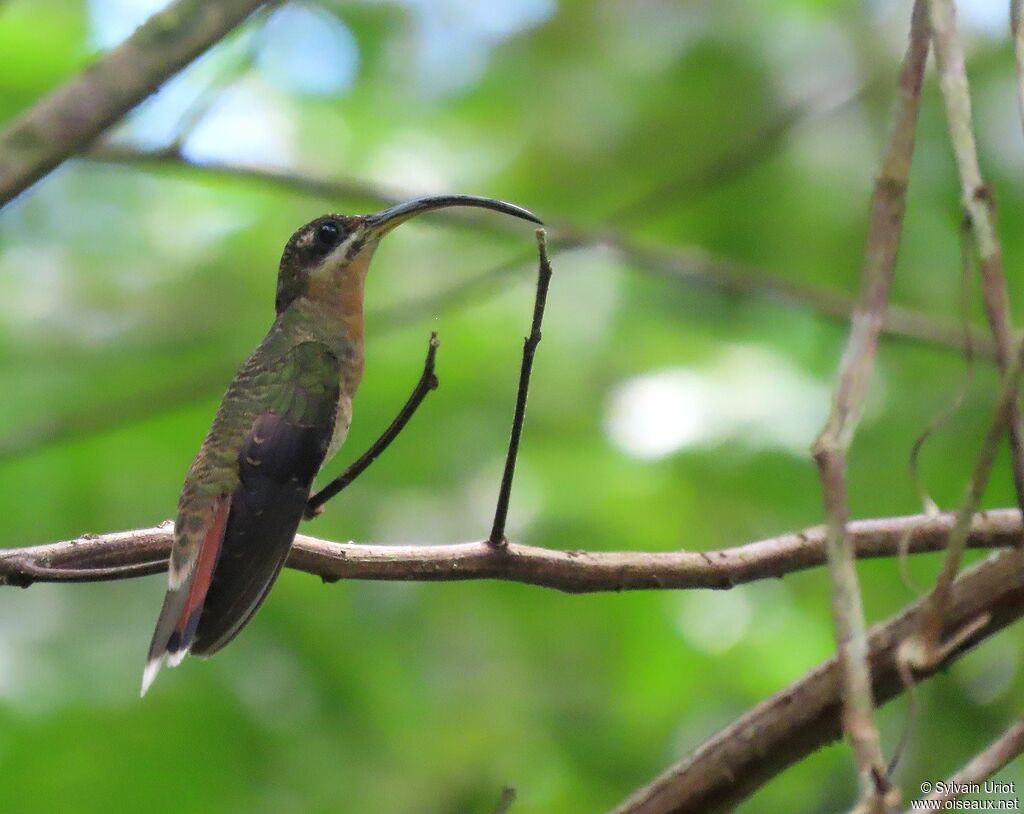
(888, 204)
(978, 204)
(1017, 32)
(497, 536)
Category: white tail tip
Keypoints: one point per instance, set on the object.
(149, 674)
(154, 664)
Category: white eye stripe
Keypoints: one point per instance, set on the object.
(338, 255)
(340, 252)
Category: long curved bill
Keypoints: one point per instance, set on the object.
(383, 222)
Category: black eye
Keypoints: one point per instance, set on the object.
(327, 234)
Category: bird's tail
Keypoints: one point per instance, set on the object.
(172, 637)
(183, 604)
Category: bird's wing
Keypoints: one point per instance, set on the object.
(244, 538)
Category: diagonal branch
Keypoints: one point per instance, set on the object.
(888, 205)
(925, 646)
(426, 383)
(126, 554)
(805, 716)
(1004, 749)
(69, 118)
(979, 207)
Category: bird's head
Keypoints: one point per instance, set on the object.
(327, 259)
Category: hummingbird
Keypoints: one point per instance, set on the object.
(284, 415)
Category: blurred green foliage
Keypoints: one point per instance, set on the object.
(663, 415)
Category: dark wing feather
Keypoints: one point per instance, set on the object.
(277, 464)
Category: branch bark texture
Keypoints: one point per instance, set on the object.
(888, 204)
(805, 716)
(979, 206)
(69, 118)
(497, 536)
(926, 646)
(125, 554)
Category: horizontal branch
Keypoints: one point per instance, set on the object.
(126, 554)
(777, 733)
(803, 717)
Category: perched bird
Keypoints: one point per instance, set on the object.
(286, 413)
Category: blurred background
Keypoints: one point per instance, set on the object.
(666, 412)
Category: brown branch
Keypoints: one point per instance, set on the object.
(680, 264)
(126, 554)
(497, 536)
(979, 207)
(888, 205)
(734, 763)
(426, 383)
(805, 716)
(982, 766)
(1017, 32)
(925, 647)
(72, 116)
